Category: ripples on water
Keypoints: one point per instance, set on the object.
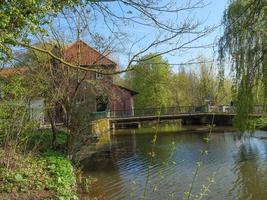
(123, 170)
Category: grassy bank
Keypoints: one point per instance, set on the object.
(39, 174)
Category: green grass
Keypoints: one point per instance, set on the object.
(40, 173)
(40, 140)
(46, 176)
(63, 181)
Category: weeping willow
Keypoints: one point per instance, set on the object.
(244, 45)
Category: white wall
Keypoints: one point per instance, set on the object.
(36, 107)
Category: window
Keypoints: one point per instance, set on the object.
(101, 103)
(98, 76)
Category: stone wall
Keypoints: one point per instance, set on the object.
(100, 140)
(101, 128)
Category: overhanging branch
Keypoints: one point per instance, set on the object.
(68, 63)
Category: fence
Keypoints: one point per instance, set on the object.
(258, 109)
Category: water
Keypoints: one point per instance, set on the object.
(125, 171)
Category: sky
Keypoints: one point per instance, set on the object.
(212, 14)
(138, 37)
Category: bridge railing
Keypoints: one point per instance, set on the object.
(157, 111)
(258, 109)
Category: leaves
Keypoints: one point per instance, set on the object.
(150, 79)
(158, 86)
(18, 177)
(244, 44)
(20, 18)
(52, 172)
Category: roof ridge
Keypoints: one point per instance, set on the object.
(92, 48)
(126, 88)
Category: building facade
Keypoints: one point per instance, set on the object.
(98, 93)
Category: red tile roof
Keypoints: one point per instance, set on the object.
(88, 55)
(127, 89)
(9, 71)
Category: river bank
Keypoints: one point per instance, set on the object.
(35, 171)
(32, 176)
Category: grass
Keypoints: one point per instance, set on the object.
(47, 176)
(44, 174)
(40, 140)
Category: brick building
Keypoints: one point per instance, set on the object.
(99, 94)
(104, 94)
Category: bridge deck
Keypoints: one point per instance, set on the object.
(170, 117)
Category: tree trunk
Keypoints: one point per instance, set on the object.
(53, 128)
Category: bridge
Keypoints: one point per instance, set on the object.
(219, 115)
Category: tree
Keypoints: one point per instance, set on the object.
(42, 22)
(179, 85)
(192, 88)
(150, 80)
(20, 19)
(36, 20)
(59, 86)
(244, 41)
(158, 86)
(14, 112)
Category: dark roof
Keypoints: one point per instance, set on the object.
(88, 55)
(127, 89)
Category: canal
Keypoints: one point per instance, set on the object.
(232, 165)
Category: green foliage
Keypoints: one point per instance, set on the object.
(261, 123)
(159, 87)
(28, 175)
(14, 115)
(183, 87)
(63, 178)
(150, 79)
(21, 18)
(193, 88)
(41, 140)
(244, 41)
(50, 175)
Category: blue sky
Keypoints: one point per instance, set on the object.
(211, 14)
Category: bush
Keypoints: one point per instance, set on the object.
(47, 176)
(41, 139)
(63, 178)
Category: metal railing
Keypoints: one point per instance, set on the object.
(98, 115)
(258, 109)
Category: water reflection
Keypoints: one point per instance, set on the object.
(240, 163)
(250, 168)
